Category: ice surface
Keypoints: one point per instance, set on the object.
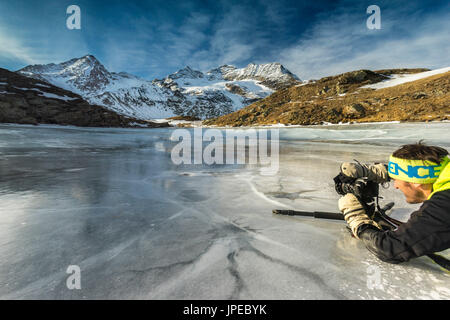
(112, 202)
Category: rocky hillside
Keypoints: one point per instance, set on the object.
(31, 101)
(186, 92)
(358, 96)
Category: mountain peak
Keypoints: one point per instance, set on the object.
(90, 56)
(84, 73)
(186, 72)
(87, 60)
(273, 74)
(87, 57)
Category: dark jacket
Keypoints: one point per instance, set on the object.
(427, 231)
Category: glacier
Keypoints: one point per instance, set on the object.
(139, 227)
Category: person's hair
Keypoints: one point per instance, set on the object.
(420, 151)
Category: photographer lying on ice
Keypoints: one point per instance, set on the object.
(422, 173)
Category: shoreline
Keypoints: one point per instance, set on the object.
(283, 126)
(188, 125)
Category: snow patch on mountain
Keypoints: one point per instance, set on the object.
(397, 79)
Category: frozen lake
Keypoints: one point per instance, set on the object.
(140, 227)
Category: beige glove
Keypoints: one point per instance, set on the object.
(374, 172)
(354, 213)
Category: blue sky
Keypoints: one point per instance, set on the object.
(154, 38)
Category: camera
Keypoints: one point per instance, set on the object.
(365, 190)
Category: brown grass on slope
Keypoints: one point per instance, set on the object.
(341, 99)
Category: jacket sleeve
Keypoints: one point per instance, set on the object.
(427, 231)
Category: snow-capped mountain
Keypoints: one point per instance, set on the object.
(273, 75)
(27, 100)
(84, 74)
(185, 92)
(121, 92)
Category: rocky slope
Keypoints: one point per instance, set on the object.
(351, 97)
(31, 101)
(186, 92)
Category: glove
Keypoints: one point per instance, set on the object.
(374, 172)
(354, 213)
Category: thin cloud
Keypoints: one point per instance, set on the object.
(236, 37)
(32, 48)
(151, 48)
(12, 48)
(202, 41)
(341, 43)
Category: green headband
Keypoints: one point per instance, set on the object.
(416, 171)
